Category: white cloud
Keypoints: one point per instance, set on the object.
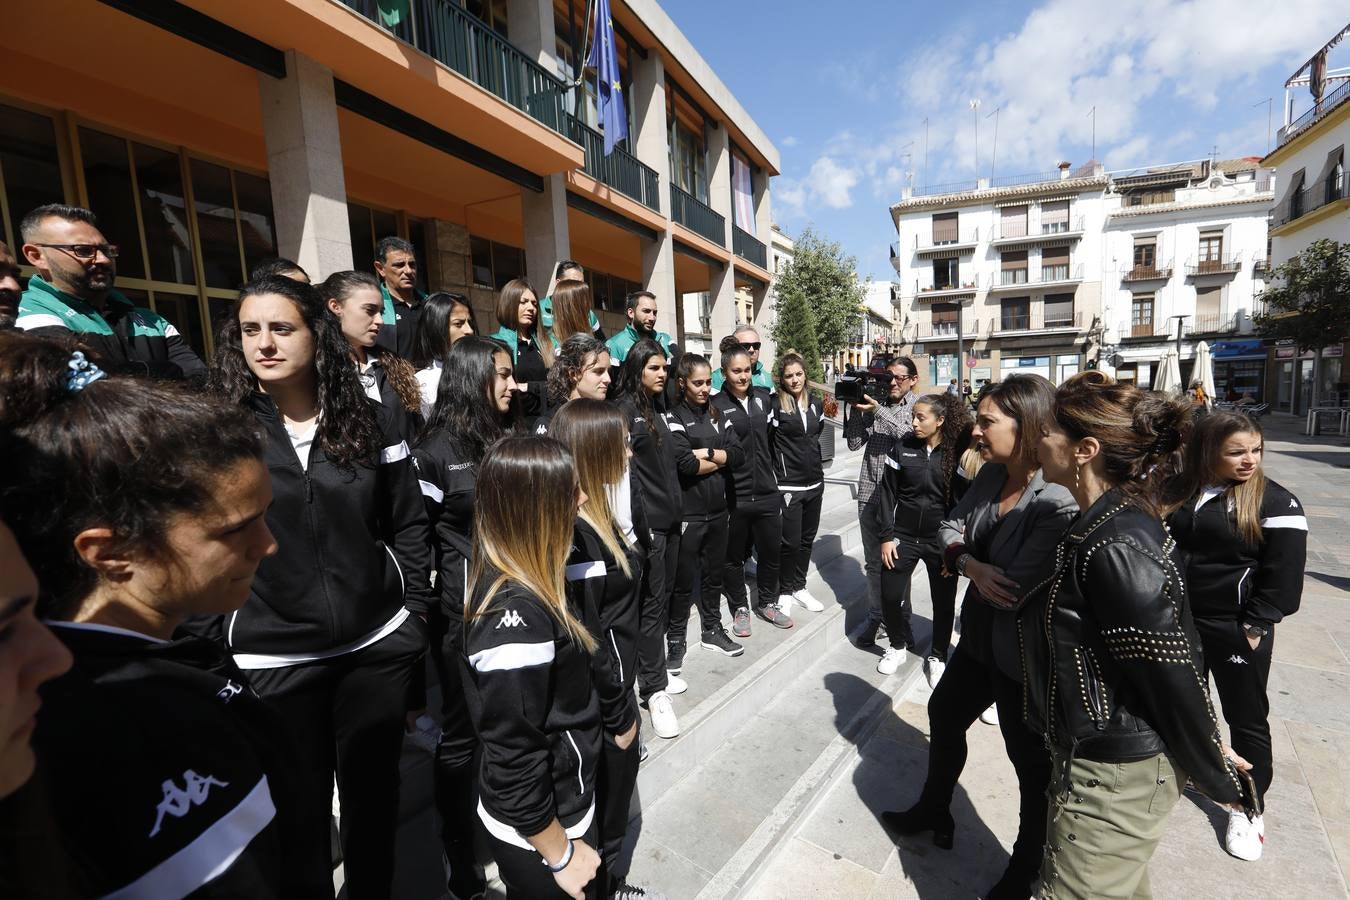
(831, 184)
(789, 141)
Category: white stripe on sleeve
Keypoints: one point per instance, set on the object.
(583, 570)
(891, 461)
(39, 320)
(512, 656)
(1299, 523)
(674, 426)
(170, 331)
(394, 453)
(430, 490)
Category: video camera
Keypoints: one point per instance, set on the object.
(852, 388)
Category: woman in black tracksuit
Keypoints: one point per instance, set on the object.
(794, 444)
(705, 446)
(336, 623)
(476, 403)
(532, 692)
(922, 482)
(754, 518)
(1245, 540)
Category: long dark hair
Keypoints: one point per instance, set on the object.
(957, 425)
(630, 382)
(432, 340)
(465, 413)
(348, 431)
(127, 454)
(402, 377)
(689, 362)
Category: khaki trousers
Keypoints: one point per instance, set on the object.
(1102, 830)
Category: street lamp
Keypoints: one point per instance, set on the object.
(1181, 321)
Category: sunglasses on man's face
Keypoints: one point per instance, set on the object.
(751, 347)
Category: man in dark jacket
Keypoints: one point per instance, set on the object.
(396, 267)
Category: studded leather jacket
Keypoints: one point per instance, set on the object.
(1113, 669)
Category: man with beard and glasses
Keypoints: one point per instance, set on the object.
(73, 294)
(10, 287)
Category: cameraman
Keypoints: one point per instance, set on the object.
(880, 426)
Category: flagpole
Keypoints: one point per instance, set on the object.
(975, 108)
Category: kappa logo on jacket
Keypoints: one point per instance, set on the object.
(229, 691)
(178, 802)
(1237, 660)
(511, 619)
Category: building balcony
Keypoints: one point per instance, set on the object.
(1035, 233)
(1221, 266)
(1056, 275)
(1141, 274)
(1314, 115)
(1006, 324)
(1310, 199)
(928, 293)
(747, 247)
(1212, 323)
(1141, 330)
(1261, 267)
(446, 32)
(1013, 324)
(964, 243)
(698, 217)
(620, 170)
(971, 329)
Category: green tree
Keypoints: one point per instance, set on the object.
(827, 280)
(794, 325)
(1309, 302)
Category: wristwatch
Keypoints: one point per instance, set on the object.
(562, 863)
(1255, 631)
(961, 562)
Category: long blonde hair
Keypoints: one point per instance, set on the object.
(786, 402)
(524, 513)
(597, 434)
(1202, 463)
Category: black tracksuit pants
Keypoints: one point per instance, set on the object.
(967, 688)
(753, 523)
(703, 549)
(801, 521)
(455, 776)
(658, 584)
(896, 585)
(1240, 673)
(614, 798)
(345, 715)
(527, 878)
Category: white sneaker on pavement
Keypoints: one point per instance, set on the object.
(1245, 839)
(990, 716)
(664, 722)
(785, 603)
(675, 684)
(933, 669)
(805, 599)
(890, 660)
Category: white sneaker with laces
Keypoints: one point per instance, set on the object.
(933, 669)
(785, 603)
(664, 722)
(990, 716)
(1245, 838)
(805, 599)
(675, 684)
(890, 661)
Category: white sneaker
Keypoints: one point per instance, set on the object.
(890, 661)
(785, 602)
(805, 599)
(1245, 839)
(675, 684)
(933, 669)
(990, 716)
(664, 722)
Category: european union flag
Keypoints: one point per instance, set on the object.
(604, 59)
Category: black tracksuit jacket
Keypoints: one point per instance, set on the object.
(653, 464)
(704, 496)
(537, 713)
(408, 423)
(910, 502)
(353, 546)
(752, 477)
(1230, 579)
(608, 600)
(449, 483)
(794, 445)
(190, 768)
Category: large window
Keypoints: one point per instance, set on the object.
(495, 264)
(1141, 315)
(1058, 310)
(688, 164)
(945, 228)
(946, 273)
(1015, 314)
(30, 168)
(1211, 251)
(1055, 217)
(1145, 255)
(1055, 264)
(1012, 222)
(1013, 267)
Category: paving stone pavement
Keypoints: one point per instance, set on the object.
(839, 850)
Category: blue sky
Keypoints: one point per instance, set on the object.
(842, 88)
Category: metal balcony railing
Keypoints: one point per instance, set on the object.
(1225, 265)
(1318, 111)
(1012, 276)
(1014, 323)
(697, 216)
(446, 32)
(1261, 265)
(946, 331)
(1211, 323)
(966, 287)
(620, 170)
(1141, 329)
(748, 247)
(1019, 228)
(928, 243)
(1147, 273)
(1310, 199)
(1030, 178)
(951, 187)
(1061, 320)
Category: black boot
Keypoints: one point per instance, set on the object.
(1017, 880)
(922, 817)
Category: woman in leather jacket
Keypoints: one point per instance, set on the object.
(1113, 671)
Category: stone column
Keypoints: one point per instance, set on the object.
(304, 166)
(648, 99)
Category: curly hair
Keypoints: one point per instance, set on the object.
(576, 353)
(340, 286)
(630, 382)
(465, 413)
(349, 430)
(956, 428)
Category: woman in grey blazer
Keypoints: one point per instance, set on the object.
(1002, 536)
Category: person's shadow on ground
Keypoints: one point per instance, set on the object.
(889, 776)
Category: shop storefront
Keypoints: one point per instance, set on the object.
(1294, 373)
(1239, 370)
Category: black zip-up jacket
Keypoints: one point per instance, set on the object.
(653, 464)
(704, 497)
(1112, 665)
(449, 484)
(609, 602)
(409, 423)
(1230, 579)
(753, 477)
(191, 768)
(537, 713)
(910, 502)
(794, 443)
(353, 546)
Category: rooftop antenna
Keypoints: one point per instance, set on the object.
(1093, 113)
(993, 155)
(908, 156)
(1270, 107)
(975, 108)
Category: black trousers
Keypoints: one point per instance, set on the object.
(658, 583)
(703, 549)
(801, 521)
(896, 585)
(968, 688)
(758, 524)
(345, 715)
(1240, 673)
(455, 775)
(527, 878)
(614, 790)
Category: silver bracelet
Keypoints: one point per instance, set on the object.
(562, 863)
